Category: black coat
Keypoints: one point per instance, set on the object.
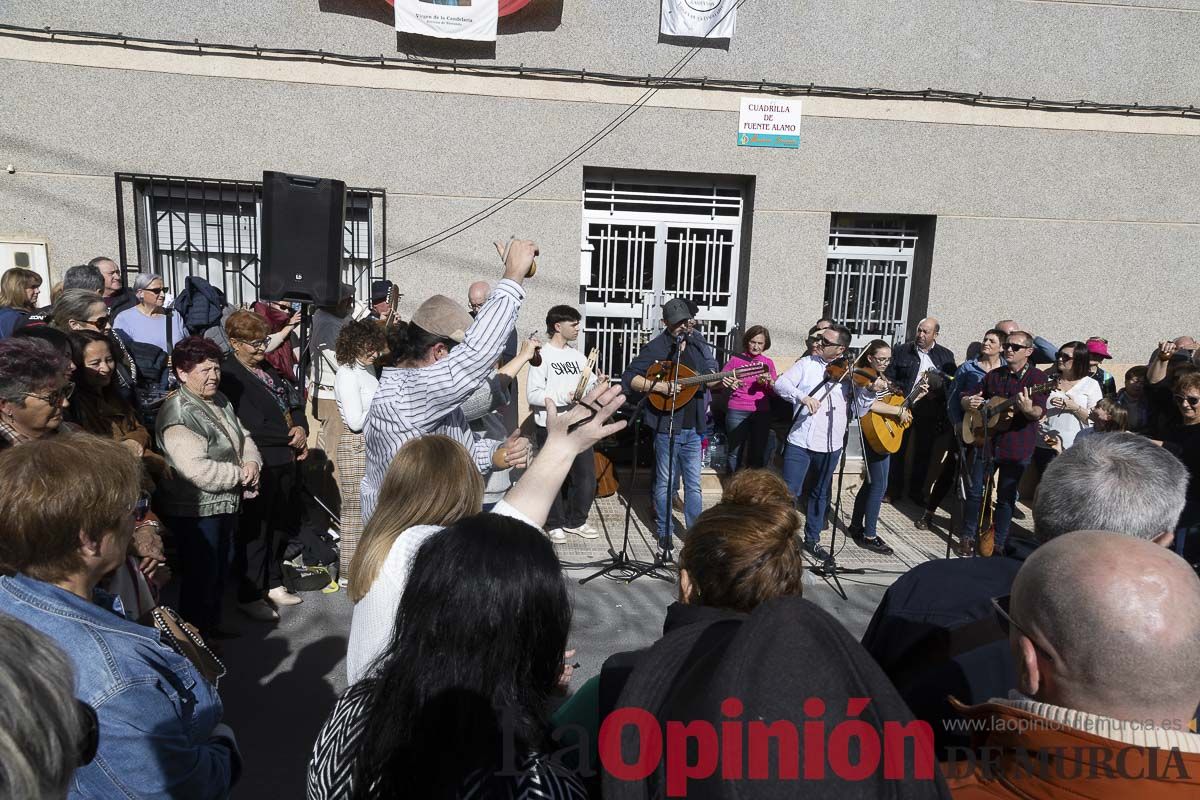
(935, 634)
(260, 412)
(906, 364)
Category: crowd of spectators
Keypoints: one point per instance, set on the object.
(132, 442)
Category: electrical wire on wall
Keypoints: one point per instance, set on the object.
(653, 83)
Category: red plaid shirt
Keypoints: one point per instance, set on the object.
(1016, 444)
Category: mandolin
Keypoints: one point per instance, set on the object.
(690, 382)
(999, 416)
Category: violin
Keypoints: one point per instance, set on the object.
(841, 368)
(861, 375)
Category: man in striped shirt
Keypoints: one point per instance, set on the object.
(444, 358)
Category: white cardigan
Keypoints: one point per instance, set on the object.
(375, 615)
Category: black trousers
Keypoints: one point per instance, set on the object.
(919, 439)
(266, 524)
(574, 500)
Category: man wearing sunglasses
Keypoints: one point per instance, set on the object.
(1012, 449)
(822, 408)
(1104, 631)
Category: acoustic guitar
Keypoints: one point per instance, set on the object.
(393, 297)
(999, 414)
(884, 434)
(690, 382)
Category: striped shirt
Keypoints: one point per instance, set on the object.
(414, 402)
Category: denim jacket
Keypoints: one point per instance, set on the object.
(157, 714)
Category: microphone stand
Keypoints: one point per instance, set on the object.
(663, 556)
(830, 568)
(620, 560)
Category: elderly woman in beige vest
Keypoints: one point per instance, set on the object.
(215, 463)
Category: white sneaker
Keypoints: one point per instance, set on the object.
(584, 531)
(557, 536)
(280, 596)
(259, 611)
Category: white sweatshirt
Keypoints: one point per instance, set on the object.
(556, 380)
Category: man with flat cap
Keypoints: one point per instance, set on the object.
(442, 356)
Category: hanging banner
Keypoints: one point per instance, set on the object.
(700, 19)
(448, 19)
(765, 121)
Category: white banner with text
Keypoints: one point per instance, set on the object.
(449, 19)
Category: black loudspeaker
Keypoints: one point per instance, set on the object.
(302, 228)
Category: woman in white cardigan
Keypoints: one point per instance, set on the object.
(432, 483)
(358, 347)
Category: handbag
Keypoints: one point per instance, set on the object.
(185, 640)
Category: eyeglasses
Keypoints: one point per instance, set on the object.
(55, 398)
(879, 360)
(1014, 347)
(100, 322)
(826, 343)
(1189, 400)
(89, 734)
(1000, 606)
(1064, 357)
(159, 290)
(257, 344)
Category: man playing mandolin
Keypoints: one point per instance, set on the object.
(1016, 435)
(689, 416)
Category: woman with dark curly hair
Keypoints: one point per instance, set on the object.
(214, 462)
(358, 347)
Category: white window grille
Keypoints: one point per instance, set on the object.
(868, 280)
(648, 240)
(212, 229)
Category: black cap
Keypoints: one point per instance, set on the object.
(676, 310)
(379, 290)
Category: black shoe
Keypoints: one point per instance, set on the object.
(818, 552)
(965, 548)
(875, 544)
(1017, 513)
(924, 523)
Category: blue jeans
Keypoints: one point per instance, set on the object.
(205, 555)
(1007, 481)
(687, 467)
(796, 463)
(870, 495)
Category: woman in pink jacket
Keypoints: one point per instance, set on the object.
(748, 419)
